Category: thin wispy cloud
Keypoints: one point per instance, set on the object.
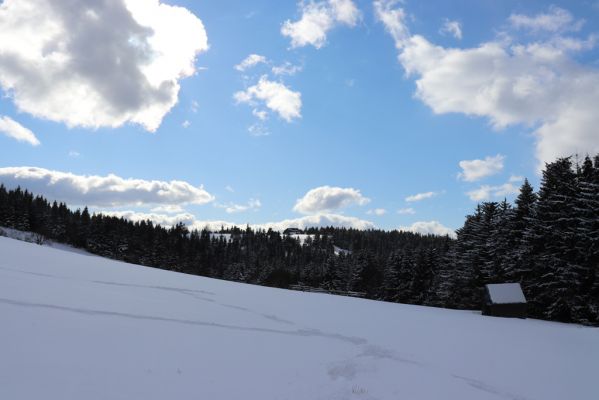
(453, 28)
(258, 130)
(406, 211)
(377, 211)
(420, 196)
(11, 128)
(286, 69)
(232, 208)
(251, 61)
(556, 19)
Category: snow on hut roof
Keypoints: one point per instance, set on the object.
(506, 293)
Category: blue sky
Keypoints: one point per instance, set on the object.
(387, 114)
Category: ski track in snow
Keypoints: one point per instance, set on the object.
(490, 389)
(347, 369)
(92, 312)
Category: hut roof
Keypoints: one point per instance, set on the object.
(506, 293)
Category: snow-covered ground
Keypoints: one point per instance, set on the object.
(75, 326)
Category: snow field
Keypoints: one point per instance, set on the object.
(77, 326)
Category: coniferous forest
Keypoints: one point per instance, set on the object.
(548, 241)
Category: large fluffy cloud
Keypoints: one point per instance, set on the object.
(317, 19)
(429, 228)
(327, 198)
(473, 170)
(97, 63)
(13, 129)
(536, 84)
(109, 190)
(275, 95)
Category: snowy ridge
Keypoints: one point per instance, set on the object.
(79, 327)
(39, 239)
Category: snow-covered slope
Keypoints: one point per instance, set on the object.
(76, 326)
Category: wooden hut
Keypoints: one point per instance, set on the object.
(504, 300)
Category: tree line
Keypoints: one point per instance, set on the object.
(548, 241)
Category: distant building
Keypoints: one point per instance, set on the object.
(504, 300)
(292, 231)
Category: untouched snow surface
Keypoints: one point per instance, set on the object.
(83, 327)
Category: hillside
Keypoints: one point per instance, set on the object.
(77, 326)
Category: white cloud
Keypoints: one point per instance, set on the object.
(538, 84)
(474, 170)
(276, 96)
(158, 219)
(487, 192)
(229, 188)
(516, 178)
(453, 28)
(327, 198)
(74, 154)
(231, 208)
(13, 129)
(555, 20)
(420, 196)
(377, 211)
(251, 61)
(262, 115)
(258, 130)
(286, 69)
(317, 19)
(168, 209)
(186, 124)
(97, 63)
(429, 228)
(393, 18)
(406, 211)
(320, 220)
(110, 190)
(195, 106)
